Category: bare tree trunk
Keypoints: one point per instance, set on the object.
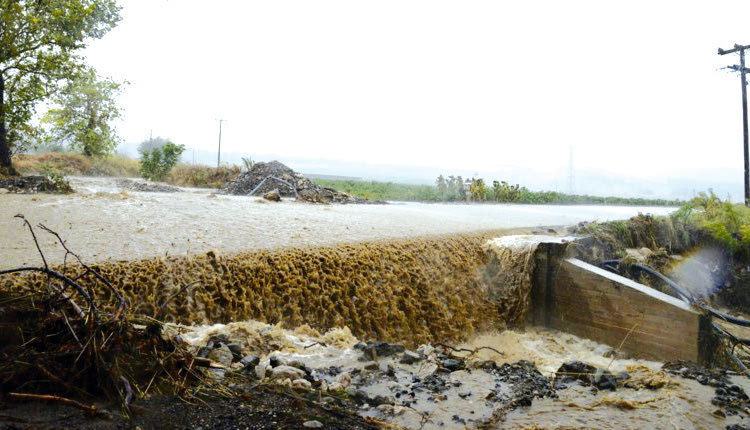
(6, 166)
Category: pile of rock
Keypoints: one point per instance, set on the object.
(275, 179)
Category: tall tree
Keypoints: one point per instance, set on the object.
(84, 116)
(40, 42)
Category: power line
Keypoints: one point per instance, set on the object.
(742, 70)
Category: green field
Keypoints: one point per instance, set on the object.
(429, 193)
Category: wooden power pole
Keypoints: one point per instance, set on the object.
(741, 68)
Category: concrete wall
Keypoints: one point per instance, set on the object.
(576, 297)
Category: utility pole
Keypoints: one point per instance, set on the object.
(218, 159)
(743, 80)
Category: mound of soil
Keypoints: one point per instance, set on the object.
(263, 178)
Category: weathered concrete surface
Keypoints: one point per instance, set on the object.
(101, 222)
(590, 302)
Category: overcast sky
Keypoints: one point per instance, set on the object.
(633, 87)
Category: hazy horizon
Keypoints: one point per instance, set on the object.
(635, 90)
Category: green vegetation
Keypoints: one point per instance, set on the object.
(454, 189)
(40, 49)
(383, 190)
(726, 222)
(84, 116)
(159, 160)
(186, 175)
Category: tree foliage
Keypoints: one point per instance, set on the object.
(40, 44)
(159, 160)
(151, 143)
(85, 113)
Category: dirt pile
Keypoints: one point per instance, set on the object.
(263, 178)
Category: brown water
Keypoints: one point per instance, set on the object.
(102, 222)
(287, 277)
(675, 402)
(411, 290)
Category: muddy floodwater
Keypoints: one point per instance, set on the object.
(417, 398)
(101, 221)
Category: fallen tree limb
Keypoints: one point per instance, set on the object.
(470, 351)
(59, 276)
(92, 410)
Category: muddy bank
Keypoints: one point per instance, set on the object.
(704, 267)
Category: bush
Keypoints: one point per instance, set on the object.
(158, 161)
(726, 222)
(185, 175)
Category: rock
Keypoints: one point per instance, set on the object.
(250, 361)
(312, 424)
(4, 191)
(302, 383)
(283, 372)
(464, 394)
(275, 361)
(373, 350)
(484, 364)
(381, 400)
(372, 366)
(217, 339)
(604, 380)
(272, 196)
(410, 358)
(452, 364)
(586, 375)
(221, 355)
(301, 366)
(236, 351)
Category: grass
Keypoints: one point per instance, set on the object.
(187, 175)
(429, 193)
(726, 222)
(68, 163)
(374, 190)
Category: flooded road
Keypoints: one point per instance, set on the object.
(102, 222)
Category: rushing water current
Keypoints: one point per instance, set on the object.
(305, 283)
(101, 221)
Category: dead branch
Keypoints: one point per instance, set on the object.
(316, 343)
(59, 276)
(33, 235)
(470, 351)
(170, 298)
(120, 298)
(91, 410)
(128, 390)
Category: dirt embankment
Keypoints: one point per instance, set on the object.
(699, 262)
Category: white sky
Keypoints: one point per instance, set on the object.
(634, 86)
